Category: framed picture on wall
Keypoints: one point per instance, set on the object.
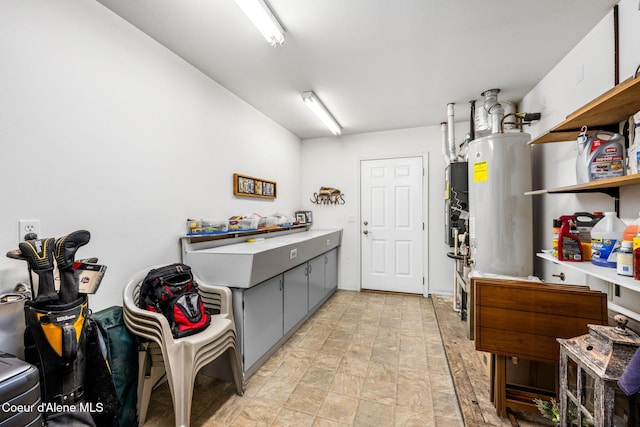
(244, 185)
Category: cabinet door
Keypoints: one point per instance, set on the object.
(296, 293)
(331, 270)
(262, 319)
(316, 281)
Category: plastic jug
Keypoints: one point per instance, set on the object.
(606, 238)
(585, 221)
(600, 156)
(569, 247)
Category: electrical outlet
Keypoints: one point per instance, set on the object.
(293, 253)
(26, 226)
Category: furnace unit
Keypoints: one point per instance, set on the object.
(456, 203)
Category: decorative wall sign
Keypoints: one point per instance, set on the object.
(328, 196)
(244, 185)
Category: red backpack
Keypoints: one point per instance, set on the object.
(172, 291)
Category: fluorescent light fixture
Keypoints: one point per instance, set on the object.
(264, 20)
(314, 103)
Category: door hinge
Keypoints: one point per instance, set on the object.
(423, 226)
(423, 280)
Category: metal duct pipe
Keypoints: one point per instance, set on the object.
(452, 139)
(494, 108)
(445, 147)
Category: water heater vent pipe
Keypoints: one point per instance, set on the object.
(494, 108)
(445, 147)
(452, 139)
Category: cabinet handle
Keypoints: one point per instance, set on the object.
(310, 268)
(560, 276)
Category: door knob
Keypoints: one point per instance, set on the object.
(365, 232)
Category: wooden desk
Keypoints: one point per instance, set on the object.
(520, 319)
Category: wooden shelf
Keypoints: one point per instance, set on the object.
(609, 186)
(610, 108)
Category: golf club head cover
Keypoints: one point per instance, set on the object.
(39, 255)
(65, 251)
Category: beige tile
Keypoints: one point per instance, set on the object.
(276, 390)
(446, 405)
(325, 422)
(291, 370)
(382, 371)
(379, 391)
(374, 414)
(354, 365)
(347, 384)
(407, 417)
(327, 361)
(306, 399)
(339, 408)
(414, 396)
(257, 413)
(317, 377)
(290, 418)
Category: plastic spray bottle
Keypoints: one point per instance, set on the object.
(569, 247)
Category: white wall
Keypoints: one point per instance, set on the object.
(103, 129)
(335, 162)
(560, 93)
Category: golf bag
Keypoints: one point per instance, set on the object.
(62, 341)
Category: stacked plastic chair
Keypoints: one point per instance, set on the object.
(180, 359)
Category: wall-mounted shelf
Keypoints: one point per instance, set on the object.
(607, 274)
(610, 108)
(608, 186)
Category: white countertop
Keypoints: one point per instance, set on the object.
(245, 264)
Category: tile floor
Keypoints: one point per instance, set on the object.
(364, 359)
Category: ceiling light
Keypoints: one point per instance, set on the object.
(321, 111)
(264, 20)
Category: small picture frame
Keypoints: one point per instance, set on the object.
(309, 216)
(250, 186)
(301, 218)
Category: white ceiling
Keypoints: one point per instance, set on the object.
(376, 64)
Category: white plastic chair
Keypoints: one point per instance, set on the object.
(180, 359)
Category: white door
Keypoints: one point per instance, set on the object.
(391, 224)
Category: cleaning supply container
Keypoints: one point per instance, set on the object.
(600, 156)
(606, 238)
(569, 246)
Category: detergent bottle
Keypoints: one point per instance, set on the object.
(569, 247)
(606, 238)
(600, 156)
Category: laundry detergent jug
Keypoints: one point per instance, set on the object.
(606, 238)
(600, 156)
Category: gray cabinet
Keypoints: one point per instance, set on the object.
(331, 271)
(316, 278)
(296, 293)
(267, 314)
(262, 319)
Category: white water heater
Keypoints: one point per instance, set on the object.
(500, 214)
